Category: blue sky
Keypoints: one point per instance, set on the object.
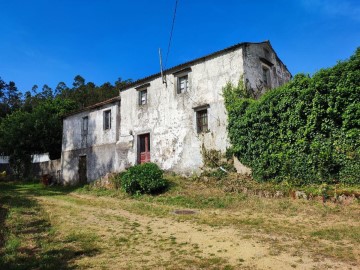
(45, 42)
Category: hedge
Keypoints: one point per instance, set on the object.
(307, 131)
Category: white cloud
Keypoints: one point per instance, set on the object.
(343, 8)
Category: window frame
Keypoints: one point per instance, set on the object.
(143, 93)
(180, 74)
(84, 131)
(185, 77)
(107, 119)
(202, 118)
(266, 75)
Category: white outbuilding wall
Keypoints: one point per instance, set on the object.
(98, 145)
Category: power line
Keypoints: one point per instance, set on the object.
(171, 34)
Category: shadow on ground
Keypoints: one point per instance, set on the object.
(22, 219)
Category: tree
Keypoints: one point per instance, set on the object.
(25, 133)
(10, 98)
(62, 90)
(78, 81)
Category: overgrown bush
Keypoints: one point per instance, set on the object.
(144, 178)
(307, 131)
(117, 180)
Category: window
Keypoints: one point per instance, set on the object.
(182, 84)
(143, 97)
(107, 119)
(266, 76)
(181, 79)
(84, 125)
(202, 121)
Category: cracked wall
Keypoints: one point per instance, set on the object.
(170, 119)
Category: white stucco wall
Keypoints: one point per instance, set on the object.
(39, 158)
(170, 119)
(72, 138)
(99, 146)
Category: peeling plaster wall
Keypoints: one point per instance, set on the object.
(170, 119)
(98, 145)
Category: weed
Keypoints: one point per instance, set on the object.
(340, 233)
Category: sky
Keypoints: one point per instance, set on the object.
(52, 41)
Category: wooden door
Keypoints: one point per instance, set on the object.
(82, 170)
(144, 148)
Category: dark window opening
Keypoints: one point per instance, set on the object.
(85, 125)
(266, 76)
(107, 119)
(202, 121)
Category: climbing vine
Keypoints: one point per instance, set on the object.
(307, 131)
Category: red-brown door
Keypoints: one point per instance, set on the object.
(144, 148)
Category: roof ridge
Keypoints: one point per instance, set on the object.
(233, 47)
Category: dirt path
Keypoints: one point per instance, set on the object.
(128, 240)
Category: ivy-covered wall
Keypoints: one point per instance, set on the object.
(307, 131)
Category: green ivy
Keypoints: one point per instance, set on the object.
(307, 131)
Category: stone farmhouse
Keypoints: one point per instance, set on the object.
(166, 119)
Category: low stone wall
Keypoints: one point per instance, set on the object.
(51, 168)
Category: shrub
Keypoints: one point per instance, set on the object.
(117, 180)
(144, 178)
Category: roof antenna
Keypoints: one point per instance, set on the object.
(161, 69)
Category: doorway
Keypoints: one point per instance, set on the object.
(144, 148)
(82, 170)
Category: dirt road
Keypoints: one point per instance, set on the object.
(129, 234)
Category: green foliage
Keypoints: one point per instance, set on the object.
(86, 94)
(117, 180)
(10, 98)
(307, 131)
(26, 133)
(32, 123)
(144, 178)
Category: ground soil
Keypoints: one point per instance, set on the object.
(141, 235)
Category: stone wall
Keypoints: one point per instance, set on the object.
(52, 168)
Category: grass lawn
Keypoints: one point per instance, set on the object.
(86, 228)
